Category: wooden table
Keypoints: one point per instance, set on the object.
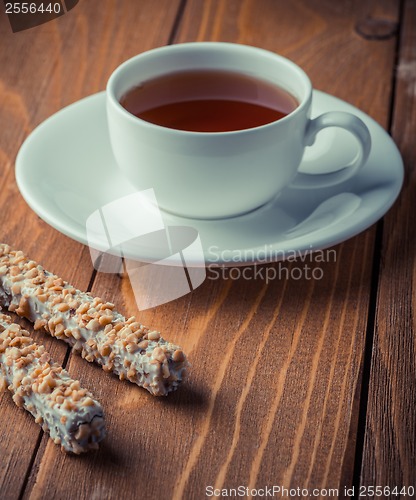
(294, 383)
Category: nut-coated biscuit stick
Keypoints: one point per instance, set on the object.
(66, 411)
(90, 325)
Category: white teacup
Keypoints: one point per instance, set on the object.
(222, 174)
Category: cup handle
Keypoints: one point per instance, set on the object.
(348, 122)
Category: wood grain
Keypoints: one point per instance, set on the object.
(272, 395)
(390, 438)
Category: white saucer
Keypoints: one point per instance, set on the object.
(65, 171)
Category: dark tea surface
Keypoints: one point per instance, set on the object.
(208, 101)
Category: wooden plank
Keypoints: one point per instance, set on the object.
(42, 70)
(23, 103)
(270, 399)
(390, 439)
(319, 33)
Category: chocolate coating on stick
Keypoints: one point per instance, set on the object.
(67, 412)
(90, 325)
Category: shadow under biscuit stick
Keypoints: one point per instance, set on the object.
(67, 412)
(90, 325)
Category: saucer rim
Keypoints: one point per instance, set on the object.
(75, 232)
